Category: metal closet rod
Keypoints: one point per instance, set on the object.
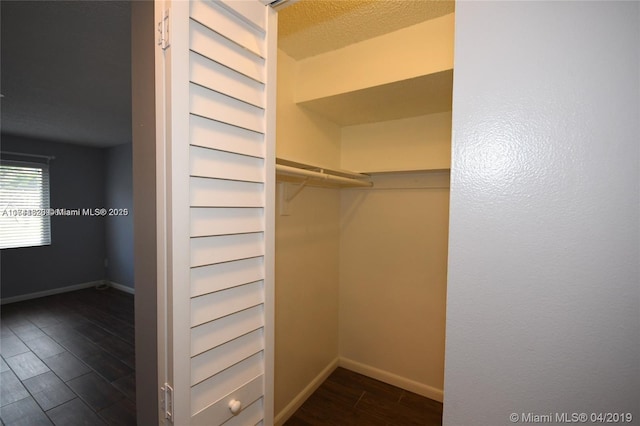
(25, 154)
(294, 171)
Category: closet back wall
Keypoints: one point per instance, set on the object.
(393, 280)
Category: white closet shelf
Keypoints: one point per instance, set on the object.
(292, 171)
(405, 171)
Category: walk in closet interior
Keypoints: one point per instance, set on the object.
(363, 156)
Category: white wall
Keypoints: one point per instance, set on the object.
(543, 310)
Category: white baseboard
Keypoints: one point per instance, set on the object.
(121, 287)
(393, 379)
(51, 292)
(297, 402)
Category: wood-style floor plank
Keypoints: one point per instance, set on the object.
(68, 359)
(351, 399)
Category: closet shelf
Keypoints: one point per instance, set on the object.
(291, 171)
(406, 171)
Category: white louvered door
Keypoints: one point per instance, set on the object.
(217, 104)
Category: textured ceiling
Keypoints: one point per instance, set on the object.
(311, 27)
(66, 71)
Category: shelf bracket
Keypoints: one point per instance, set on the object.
(298, 190)
(286, 197)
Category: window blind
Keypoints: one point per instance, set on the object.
(24, 204)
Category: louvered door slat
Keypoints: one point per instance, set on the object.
(224, 22)
(252, 415)
(225, 193)
(214, 333)
(225, 137)
(249, 10)
(226, 302)
(212, 163)
(216, 106)
(214, 76)
(225, 382)
(222, 221)
(225, 248)
(219, 412)
(213, 46)
(211, 278)
(213, 361)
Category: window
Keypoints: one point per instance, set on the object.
(24, 204)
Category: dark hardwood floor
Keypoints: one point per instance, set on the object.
(68, 359)
(347, 398)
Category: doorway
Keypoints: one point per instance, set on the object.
(68, 304)
(361, 271)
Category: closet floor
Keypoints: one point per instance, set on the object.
(68, 359)
(347, 398)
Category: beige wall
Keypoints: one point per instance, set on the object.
(375, 62)
(416, 143)
(307, 255)
(302, 135)
(307, 250)
(393, 263)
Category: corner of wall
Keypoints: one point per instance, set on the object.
(302, 135)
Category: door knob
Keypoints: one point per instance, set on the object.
(235, 406)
